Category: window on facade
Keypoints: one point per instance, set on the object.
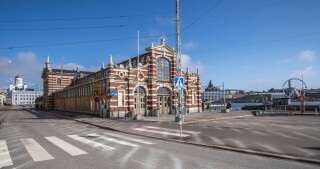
(163, 69)
(162, 91)
(140, 90)
(58, 81)
(193, 98)
(121, 98)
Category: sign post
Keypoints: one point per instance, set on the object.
(179, 85)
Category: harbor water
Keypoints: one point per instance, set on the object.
(238, 106)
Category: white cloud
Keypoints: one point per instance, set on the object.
(186, 61)
(309, 71)
(307, 56)
(190, 45)
(25, 64)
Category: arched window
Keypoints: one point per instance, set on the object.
(163, 69)
(163, 91)
(140, 90)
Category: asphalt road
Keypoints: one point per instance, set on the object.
(29, 139)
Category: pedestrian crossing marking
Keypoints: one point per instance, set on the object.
(113, 140)
(38, 153)
(35, 150)
(91, 142)
(5, 158)
(72, 150)
(129, 138)
(160, 132)
(174, 130)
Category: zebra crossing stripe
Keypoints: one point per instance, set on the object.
(5, 158)
(72, 150)
(114, 140)
(91, 143)
(35, 150)
(129, 138)
(174, 130)
(160, 132)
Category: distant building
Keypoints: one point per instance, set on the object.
(18, 85)
(3, 94)
(260, 97)
(213, 93)
(19, 94)
(313, 94)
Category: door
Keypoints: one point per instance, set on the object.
(140, 101)
(164, 101)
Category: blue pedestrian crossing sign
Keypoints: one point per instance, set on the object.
(113, 93)
(179, 83)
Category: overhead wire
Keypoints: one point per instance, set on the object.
(79, 18)
(84, 42)
(72, 28)
(202, 15)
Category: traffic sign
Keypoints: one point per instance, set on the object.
(113, 93)
(179, 82)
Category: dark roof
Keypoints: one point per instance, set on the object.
(70, 71)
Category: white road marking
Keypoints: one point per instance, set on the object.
(5, 158)
(91, 143)
(307, 136)
(307, 152)
(35, 150)
(113, 140)
(259, 133)
(167, 129)
(280, 134)
(129, 138)
(145, 164)
(270, 148)
(238, 143)
(72, 150)
(217, 140)
(160, 132)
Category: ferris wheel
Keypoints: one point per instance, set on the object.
(293, 88)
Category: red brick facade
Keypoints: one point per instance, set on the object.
(156, 95)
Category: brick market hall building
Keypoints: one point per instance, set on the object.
(90, 92)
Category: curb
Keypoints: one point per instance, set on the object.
(265, 154)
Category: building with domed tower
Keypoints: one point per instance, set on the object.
(19, 94)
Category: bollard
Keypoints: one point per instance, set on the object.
(316, 112)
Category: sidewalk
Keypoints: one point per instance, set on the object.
(288, 137)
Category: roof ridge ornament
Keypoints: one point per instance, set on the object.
(110, 61)
(162, 41)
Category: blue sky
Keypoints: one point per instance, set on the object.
(247, 44)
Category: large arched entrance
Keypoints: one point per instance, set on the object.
(140, 101)
(163, 100)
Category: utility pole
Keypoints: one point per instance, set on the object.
(138, 59)
(178, 49)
